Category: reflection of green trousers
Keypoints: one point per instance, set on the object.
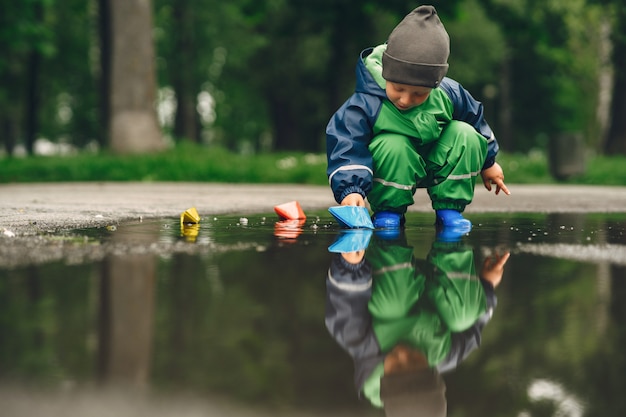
(455, 289)
(447, 167)
(401, 291)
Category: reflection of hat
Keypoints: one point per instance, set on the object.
(419, 393)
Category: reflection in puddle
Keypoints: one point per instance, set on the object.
(237, 312)
(405, 320)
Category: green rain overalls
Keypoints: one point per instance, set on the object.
(422, 148)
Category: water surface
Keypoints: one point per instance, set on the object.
(241, 311)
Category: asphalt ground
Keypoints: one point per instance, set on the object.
(29, 209)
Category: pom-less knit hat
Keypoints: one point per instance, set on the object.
(417, 50)
(419, 393)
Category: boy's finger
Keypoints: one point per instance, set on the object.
(503, 259)
(502, 186)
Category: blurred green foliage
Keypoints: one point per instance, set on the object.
(192, 162)
(259, 76)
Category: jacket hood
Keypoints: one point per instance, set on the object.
(365, 82)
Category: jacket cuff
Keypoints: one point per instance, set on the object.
(489, 163)
(351, 190)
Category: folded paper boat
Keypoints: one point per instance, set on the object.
(190, 216)
(290, 211)
(353, 217)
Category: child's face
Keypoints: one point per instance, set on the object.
(404, 359)
(405, 96)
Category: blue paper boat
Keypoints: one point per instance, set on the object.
(352, 217)
(352, 240)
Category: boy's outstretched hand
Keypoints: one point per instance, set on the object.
(494, 175)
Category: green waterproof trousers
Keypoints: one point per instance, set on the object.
(446, 167)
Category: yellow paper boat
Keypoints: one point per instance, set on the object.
(190, 216)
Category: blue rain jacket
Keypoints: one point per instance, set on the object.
(350, 130)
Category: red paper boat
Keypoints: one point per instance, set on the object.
(290, 211)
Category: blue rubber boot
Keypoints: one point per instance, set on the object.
(387, 220)
(388, 224)
(451, 225)
(453, 218)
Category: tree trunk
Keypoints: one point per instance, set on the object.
(616, 139)
(183, 79)
(32, 93)
(286, 133)
(505, 119)
(605, 82)
(104, 22)
(133, 121)
(8, 131)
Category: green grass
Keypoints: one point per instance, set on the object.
(202, 164)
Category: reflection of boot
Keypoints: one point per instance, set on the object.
(352, 240)
(451, 234)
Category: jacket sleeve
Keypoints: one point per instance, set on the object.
(468, 109)
(348, 136)
(348, 291)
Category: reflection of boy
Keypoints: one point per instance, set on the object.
(407, 127)
(386, 312)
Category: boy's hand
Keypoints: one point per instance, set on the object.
(354, 199)
(493, 267)
(494, 175)
(353, 258)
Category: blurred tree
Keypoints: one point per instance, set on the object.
(133, 125)
(104, 65)
(616, 139)
(180, 44)
(307, 69)
(266, 75)
(197, 40)
(548, 74)
(24, 40)
(274, 71)
(477, 50)
(70, 106)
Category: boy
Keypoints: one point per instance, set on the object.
(407, 127)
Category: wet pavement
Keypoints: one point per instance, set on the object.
(29, 209)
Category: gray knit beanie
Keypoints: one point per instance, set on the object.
(417, 393)
(417, 50)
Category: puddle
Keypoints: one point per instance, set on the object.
(247, 316)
